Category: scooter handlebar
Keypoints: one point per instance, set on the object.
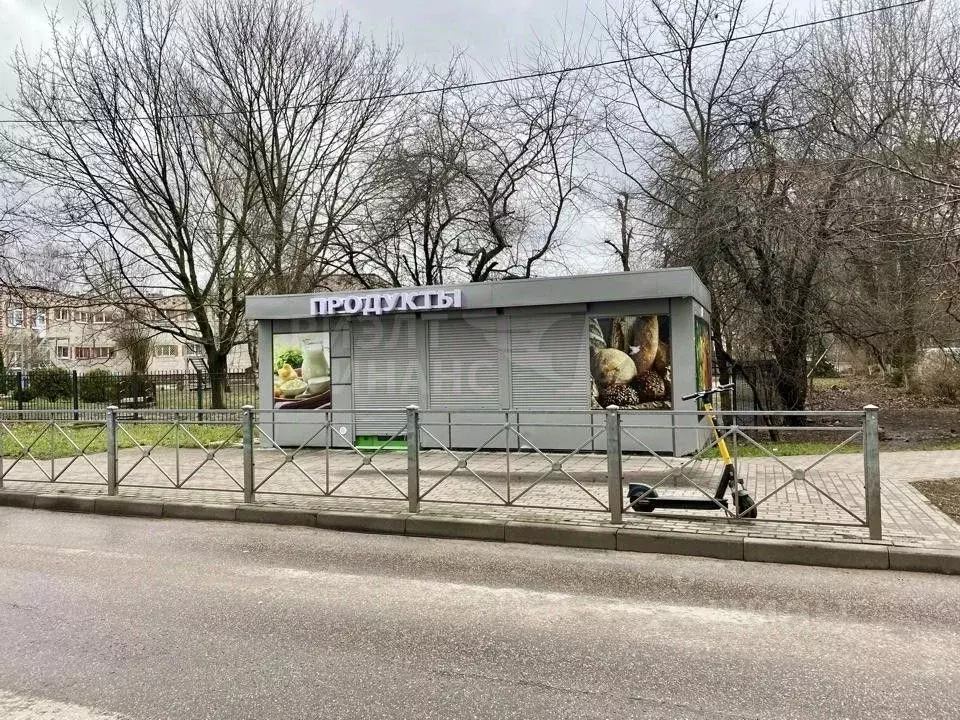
(708, 393)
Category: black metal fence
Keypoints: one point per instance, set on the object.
(59, 389)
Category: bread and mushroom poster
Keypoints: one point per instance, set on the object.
(630, 362)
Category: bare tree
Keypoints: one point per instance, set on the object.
(303, 111)
(191, 154)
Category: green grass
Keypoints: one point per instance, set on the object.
(165, 400)
(45, 441)
(786, 449)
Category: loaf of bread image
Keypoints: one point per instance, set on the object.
(644, 342)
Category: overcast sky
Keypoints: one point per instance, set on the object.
(488, 30)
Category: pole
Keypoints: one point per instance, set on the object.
(614, 465)
(112, 450)
(76, 396)
(249, 493)
(413, 458)
(871, 469)
(199, 395)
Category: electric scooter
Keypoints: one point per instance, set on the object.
(644, 498)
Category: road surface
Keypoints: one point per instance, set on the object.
(109, 618)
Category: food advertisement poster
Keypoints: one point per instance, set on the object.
(702, 347)
(301, 371)
(630, 362)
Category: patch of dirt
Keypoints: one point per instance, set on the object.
(945, 494)
(907, 420)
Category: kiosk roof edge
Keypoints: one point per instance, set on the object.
(560, 290)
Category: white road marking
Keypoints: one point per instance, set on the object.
(21, 707)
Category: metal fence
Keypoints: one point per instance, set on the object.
(477, 457)
(59, 389)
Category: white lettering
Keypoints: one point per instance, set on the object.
(388, 303)
(448, 299)
(371, 304)
(410, 301)
(407, 301)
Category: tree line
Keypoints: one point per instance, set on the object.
(216, 149)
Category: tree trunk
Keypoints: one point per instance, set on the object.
(217, 365)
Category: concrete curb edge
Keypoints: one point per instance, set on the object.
(611, 537)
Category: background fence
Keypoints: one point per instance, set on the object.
(59, 389)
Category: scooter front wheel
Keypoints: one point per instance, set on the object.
(638, 490)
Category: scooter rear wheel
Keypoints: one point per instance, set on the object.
(635, 492)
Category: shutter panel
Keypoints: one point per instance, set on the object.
(548, 362)
(385, 372)
(464, 367)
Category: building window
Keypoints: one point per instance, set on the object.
(92, 353)
(82, 317)
(63, 352)
(63, 314)
(15, 317)
(100, 318)
(166, 351)
(191, 350)
(40, 320)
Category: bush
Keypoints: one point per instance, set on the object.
(132, 386)
(97, 386)
(939, 377)
(23, 395)
(51, 383)
(826, 369)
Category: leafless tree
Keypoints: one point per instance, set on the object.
(303, 111)
(191, 154)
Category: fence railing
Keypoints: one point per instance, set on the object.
(611, 461)
(58, 389)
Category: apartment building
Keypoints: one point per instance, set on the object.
(41, 329)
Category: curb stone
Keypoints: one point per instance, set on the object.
(464, 528)
(924, 560)
(601, 538)
(363, 522)
(275, 516)
(199, 511)
(112, 505)
(797, 552)
(723, 547)
(65, 503)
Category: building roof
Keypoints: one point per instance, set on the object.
(564, 290)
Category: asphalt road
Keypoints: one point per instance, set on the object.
(117, 617)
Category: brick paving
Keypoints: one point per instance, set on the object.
(826, 504)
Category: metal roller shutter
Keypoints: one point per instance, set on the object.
(464, 368)
(548, 362)
(385, 371)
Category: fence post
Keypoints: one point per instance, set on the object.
(249, 493)
(413, 458)
(199, 396)
(20, 390)
(112, 450)
(76, 396)
(614, 465)
(871, 469)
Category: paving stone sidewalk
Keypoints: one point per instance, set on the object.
(827, 505)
